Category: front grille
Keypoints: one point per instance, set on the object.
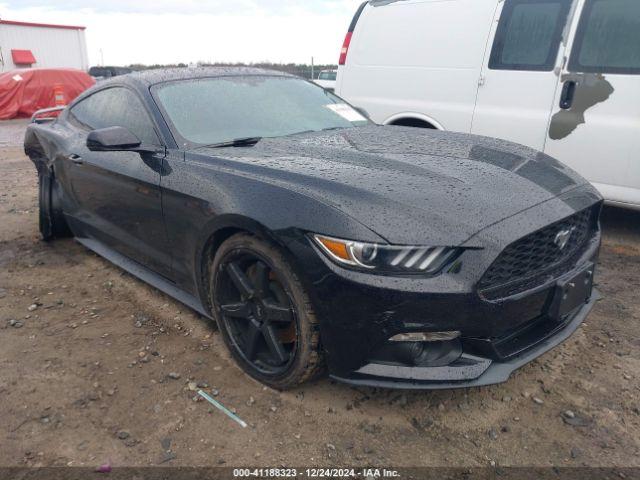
(532, 260)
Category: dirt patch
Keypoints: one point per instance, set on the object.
(98, 367)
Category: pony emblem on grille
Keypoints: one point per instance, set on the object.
(563, 237)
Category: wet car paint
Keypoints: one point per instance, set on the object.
(376, 184)
(412, 187)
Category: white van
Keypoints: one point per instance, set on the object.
(561, 76)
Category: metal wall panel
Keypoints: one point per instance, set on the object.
(52, 47)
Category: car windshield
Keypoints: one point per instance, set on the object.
(209, 111)
(328, 76)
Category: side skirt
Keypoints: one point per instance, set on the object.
(144, 274)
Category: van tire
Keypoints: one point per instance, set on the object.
(413, 122)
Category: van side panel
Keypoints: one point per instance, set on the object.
(520, 75)
(420, 58)
(596, 133)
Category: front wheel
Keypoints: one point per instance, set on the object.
(265, 316)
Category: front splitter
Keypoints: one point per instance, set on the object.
(469, 371)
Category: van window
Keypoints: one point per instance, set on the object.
(608, 38)
(529, 35)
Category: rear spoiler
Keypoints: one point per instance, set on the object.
(49, 114)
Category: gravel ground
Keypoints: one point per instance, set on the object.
(98, 367)
(12, 133)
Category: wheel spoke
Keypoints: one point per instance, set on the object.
(236, 310)
(274, 344)
(261, 280)
(277, 313)
(257, 312)
(240, 280)
(251, 342)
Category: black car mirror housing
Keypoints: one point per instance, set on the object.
(116, 139)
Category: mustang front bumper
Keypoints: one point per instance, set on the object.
(359, 313)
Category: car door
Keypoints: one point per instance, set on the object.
(596, 116)
(117, 194)
(518, 81)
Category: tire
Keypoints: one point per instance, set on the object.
(278, 311)
(51, 222)
(414, 122)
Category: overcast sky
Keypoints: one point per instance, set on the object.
(171, 31)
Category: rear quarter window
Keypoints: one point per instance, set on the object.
(115, 107)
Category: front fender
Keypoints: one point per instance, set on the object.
(212, 235)
(202, 198)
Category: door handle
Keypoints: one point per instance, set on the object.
(568, 94)
(77, 159)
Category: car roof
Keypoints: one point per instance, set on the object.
(142, 81)
(153, 77)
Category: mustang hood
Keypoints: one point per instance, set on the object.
(410, 186)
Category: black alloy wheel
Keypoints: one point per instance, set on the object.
(257, 313)
(263, 313)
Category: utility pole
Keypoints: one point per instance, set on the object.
(313, 76)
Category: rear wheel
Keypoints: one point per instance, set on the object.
(264, 314)
(51, 222)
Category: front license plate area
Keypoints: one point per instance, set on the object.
(573, 292)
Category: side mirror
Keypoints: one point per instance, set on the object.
(115, 139)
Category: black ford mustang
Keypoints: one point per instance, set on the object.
(393, 256)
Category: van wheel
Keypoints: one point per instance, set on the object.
(51, 222)
(264, 314)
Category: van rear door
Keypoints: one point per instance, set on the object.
(520, 73)
(417, 60)
(595, 124)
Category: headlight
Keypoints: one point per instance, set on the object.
(387, 258)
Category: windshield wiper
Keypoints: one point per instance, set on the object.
(237, 142)
(251, 141)
(314, 131)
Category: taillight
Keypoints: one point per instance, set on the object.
(345, 49)
(347, 39)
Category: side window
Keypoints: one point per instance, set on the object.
(608, 38)
(529, 35)
(116, 107)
